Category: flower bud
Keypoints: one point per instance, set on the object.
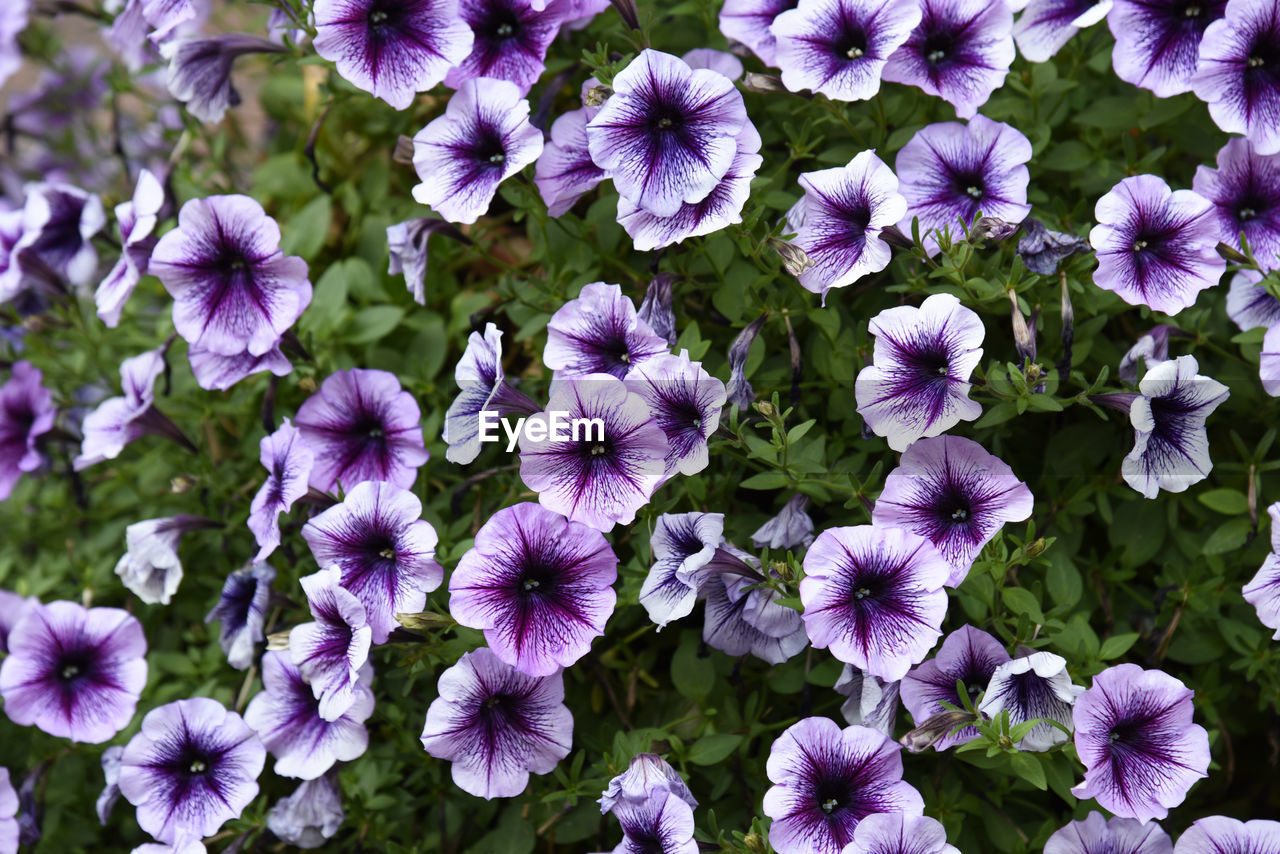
(794, 259)
(990, 229)
(931, 731)
(596, 96)
(762, 84)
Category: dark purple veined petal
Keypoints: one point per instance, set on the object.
(686, 402)
(661, 823)
(288, 460)
(565, 172)
(646, 775)
(242, 611)
(26, 414)
(1238, 72)
(895, 833)
(839, 48)
(599, 332)
(1158, 41)
(682, 545)
(1245, 192)
(1034, 686)
(483, 391)
(1046, 25)
(511, 40)
(750, 22)
(311, 815)
(872, 702)
(1099, 835)
(1221, 835)
(967, 655)
(331, 652)
(137, 219)
(1263, 590)
(200, 71)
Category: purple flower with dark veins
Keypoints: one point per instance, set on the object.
(960, 51)
(744, 617)
(895, 833)
(1245, 192)
(200, 72)
(953, 493)
(790, 529)
(286, 716)
(511, 40)
(967, 655)
(1046, 25)
(656, 308)
(659, 824)
(118, 421)
(1238, 72)
(482, 387)
(1099, 835)
(9, 832)
(1249, 305)
(12, 277)
(497, 725)
(1221, 835)
(1158, 41)
(136, 219)
(1034, 686)
(565, 172)
(311, 815)
(362, 426)
(918, 383)
(13, 20)
(871, 701)
(58, 224)
(599, 332)
(483, 138)
(686, 402)
(668, 134)
(949, 172)
(331, 652)
(26, 414)
(150, 567)
(384, 549)
(192, 767)
(216, 372)
(750, 22)
(647, 774)
(682, 545)
(1150, 350)
(12, 609)
(539, 585)
(242, 611)
(839, 48)
(288, 461)
(1134, 734)
(74, 672)
(1263, 590)
(392, 49)
(407, 242)
(827, 780)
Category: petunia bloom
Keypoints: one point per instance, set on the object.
(790, 529)
(217, 372)
(1034, 686)
(74, 672)
(150, 567)
(599, 332)
(58, 223)
(288, 461)
(136, 219)
(26, 414)
(192, 767)
(871, 701)
(242, 611)
(539, 585)
(511, 40)
(310, 816)
(407, 243)
(1269, 362)
(1235, 72)
(1134, 734)
(1149, 350)
(1046, 25)
(497, 725)
(482, 387)
(682, 545)
(656, 308)
(9, 832)
(200, 71)
(483, 138)
(1099, 835)
(565, 172)
(1245, 192)
(953, 493)
(111, 790)
(659, 824)
(1249, 305)
(332, 650)
(647, 774)
(827, 780)
(719, 61)
(686, 402)
(751, 23)
(1221, 835)
(392, 49)
(13, 20)
(967, 655)
(875, 597)
(918, 383)
(743, 616)
(118, 421)
(1263, 590)
(12, 609)
(895, 833)
(1158, 41)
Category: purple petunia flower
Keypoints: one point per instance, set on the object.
(511, 40)
(407, 245)
(953, 493)
(790, 529)
(9, 832)
(1263, 590)
(1249, 305)
(598, 332)
(192, 767)
(12, 276)
(659, 824)
(288, 461)
(483, 138)
(1099, 835)
(918, 384)
(310, 816)
(647, 774)
(26, 414)
(872, 702)
(967, 655)
(1134, 734)
(743, 617)
(895, 833)
(58, 224)
(1245, 192)
(682, 545)
(603, 475)
(110, 794)
(392, 49)
(839, 220)
(1171, 447)
(286, 716)
(497, 725)
(1158, 41)
(750, 22)
(539, 585)
(1221, 835)
(827, 780)
(118, 421)
(717, 60)
(242, 611)
(875, 597)
(216, 372)
(482, 388)
(362, 426)
(1150, 349)
(1042, 250)
(1046, 25)
(565, 172)
(1269, 362)
(1034, 686)
(13, 20)
(137, 219)
(384, 549)
(1156, 247)
(150, 567)
(331, 652)
(960, 51)
(1236, 72)
(234, 290)
(668, 134)
(74, 672)
(686, 402)
(839, 48)
(200, 71)
(12, 609)
(949, 172)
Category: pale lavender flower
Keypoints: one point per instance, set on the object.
(717, 60)
(511, 40)
(242, 611)
(331, 651)
(599, 332)
(407, 242)
(682, 545)
(1245, 192)
(9, 832)
(13, 20)
(1263, 590)
(967, 655)
(1158, 41)
(136, 219)
(1046, 25)
(686, 402)
(216, 372)
(565, 172)
(58, 224)
(895, 833)
(871, 701)
(111, 789)
(150, 567)
(482, 387)
(12, 276)
(1249, 305)
(646, 775)
(839, 48)
(1099, 835)
(750, 23)
(1269, 362)
(118, 421)
(1034, 686)
(660, 824)
(26, 414)
(200, 71)
(744, 617)
(1221, 835)
(1236, 72)
(288, 460)
(12, 609)
(310, 816)
(656, 308)
(1150, 349)
(790, 529)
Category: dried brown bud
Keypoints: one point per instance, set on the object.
(596, 95)
(404, 151)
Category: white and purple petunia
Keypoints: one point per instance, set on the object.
(118, 421)
(839, 219)
(311, 815)
(870, 701)
(839, 48)
(682, 545)
(565, 172)
(1221, 835)
(110, 794)
(744, 616)
(717, 60)
(150, 567)
(646, 774)
(288, 461)
(497, 725)
(1030, 687)
(242, 611)
(200, 71)
(192, 767)
(1046, 25)
(407, 248)
(74, 672)
(218, 372)
(26, 414)
(384, 549)
(482, 387)
(960, 51)
(483, 138)
(392, 49)
(12, 609)
(1249, 305)
(362, 426)
(332, 650)
(827, 780)
(1135, 736)
(1263, 590)
(949, 490)
(686, 403)
(750, 22)
(1158, 41)
(1238, 72)
(1151, 348)
(511, 38)
(918, 383)
(875, 597)
(951, 171)
(136, 219)
(967, 655)
(896, 833)
(1245, 192)
(58, 223)
(791, 528)
(599, 332)
(1099, 835)
(286, 716)
(659, 824)
(1155, 246)
(1269, 361)
(539, 585)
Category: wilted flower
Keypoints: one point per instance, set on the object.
(331, 652)
(918, 384)
(744, 616)
(511, 40)
(193, 766)
(872, 702)
(1151, 349)
(1034, 686)
(827, 780)
(718, 61)
(286, 716)
(960, 51)
(874, 596)
(242, 611)
(949, 172)
(1221, 835)
(392, 49)
(288, 461)
(1263, 590)
(1249, 305)
(136, 219)
(686, 403)
(200, 72)
(8, 797)
(599, 332)
(1245, 192)
(1046, 25)
(1099, 835)
(362, 426)
(74, 672)
(565, 172)
(58, 224)
(407, 242)
(384, 549)
(1235, 72)
(111, 789)
(118, 421)
(895, 833)
(839, 48)
(483, 138)
(790, 529)
(1269, 362)
(482, 388)
(1134, 734)
(738, 389)
(12, 609)
(1158, 41)
(967, 655)
(656, 308)
(538, 585)
(949, 490)
(497, 725)
(659, 824)
(26, 414)
(310, 816)
(647, 774)
(1042, 250)
(682, 545)
(750, 22)
(150, 567)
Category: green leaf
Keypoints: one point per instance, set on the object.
(765, 480)
(711, 749)
(1021, 601)
(1229, 536)
(692, 676)
(1028, 767)
(307, 230)
(1228, 502)
(1117, 645)
(373, 323)
(1063, 579)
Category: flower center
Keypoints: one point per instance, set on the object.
(1193, 11)
(1113, 736)
(861, 593)
(829, 805)
(536, 580)
(198, 766)
(378, 17)
(832, 796)
(531, 584)
(1139, 245)
(1246, 214)
(1256, 62)
(69, 672)
(497, 159)
(388, 553)
(974, 191)
(960, 514)
(505, 31)
(854, 52)
(936, 56)
(936, 47)
(598, 450)
(664, 123)
(73, 667)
